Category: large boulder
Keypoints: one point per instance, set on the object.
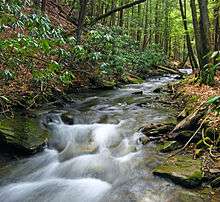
(181, 170)
(21, 136)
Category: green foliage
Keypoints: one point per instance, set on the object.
(6, 74)
(42, 51)
(67, 77)
(209, 71)
(115, 52)
(50, 55)
(215, 102)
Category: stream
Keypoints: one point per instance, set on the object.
(99, 158)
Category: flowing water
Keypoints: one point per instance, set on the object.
(99, 157)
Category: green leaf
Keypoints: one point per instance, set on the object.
(214, 100)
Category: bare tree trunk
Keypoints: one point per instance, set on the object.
(43, 5)
(121, 15)
(217, 31)
(81, 19)
(188, 41)
(196, 31)
(204, 39)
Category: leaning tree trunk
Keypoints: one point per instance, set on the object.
(196, 31)
(204, 39)
(188, 41)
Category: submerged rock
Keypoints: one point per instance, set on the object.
(181, 170)
(21, 136)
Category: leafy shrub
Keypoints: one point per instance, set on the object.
(114, 52)
(41, 51)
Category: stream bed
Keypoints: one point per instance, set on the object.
(99, 156)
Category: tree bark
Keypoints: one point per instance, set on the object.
(188, 41)
(196, 31)
(217, 31)
(204, 39)
(81, 19)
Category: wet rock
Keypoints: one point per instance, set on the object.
(181, 170)
(185, 135)
(216, 182)
(108, 84)
(168, 146)
(157, 90)
(67, 118)
(152, 130)
(143, 139)
(138, 93)
(133, 79)
(21, 136)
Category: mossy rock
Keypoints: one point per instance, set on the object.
(181, 170)
(168, 146)
(108, 84)
(133, 79)
(21, 136)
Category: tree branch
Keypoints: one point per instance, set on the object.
(126, 6)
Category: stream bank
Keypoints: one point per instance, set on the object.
(192, 142)
(97, 145)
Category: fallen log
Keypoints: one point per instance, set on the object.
(169, 70)
(191, 121)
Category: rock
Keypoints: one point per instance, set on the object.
(143, 139)
(183, 136)
(138, 93)
(21, 136)
(183, 196)
(133, 79)
(153, 130)
(108, 84)
(181, 170)
(168, 146)
(157, 90)
(216, 182)
(67, 118)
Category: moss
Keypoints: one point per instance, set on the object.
(108, 84)
(182, 170)
(21, 134)
(133, 79)
(168, 146)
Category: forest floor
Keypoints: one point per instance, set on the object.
(198, 94)
(193, 138)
